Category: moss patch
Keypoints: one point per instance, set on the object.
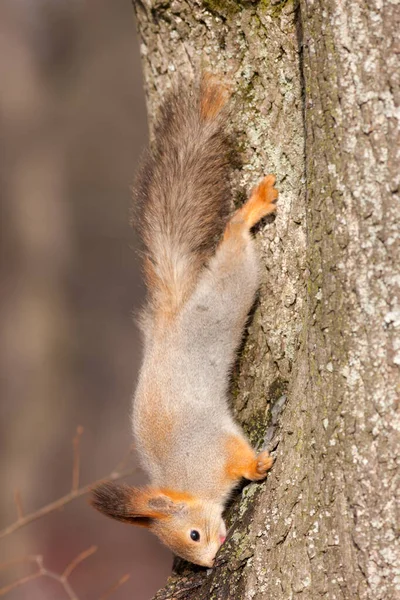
(275, 10)
(255, 428)
(223, 8)
(277, 389)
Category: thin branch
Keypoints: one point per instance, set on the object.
(18, 504)
(8, 588)
(43, 571)
(17, 561)
(63, 579)
(74, 563)
(76, 492)
(114, 587)
(124, 461)
(76, 459)
(52, 506)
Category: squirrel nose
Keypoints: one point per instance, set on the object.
(222, 538)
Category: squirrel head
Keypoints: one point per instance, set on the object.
(192, 528)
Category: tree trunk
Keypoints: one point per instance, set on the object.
(317, 90)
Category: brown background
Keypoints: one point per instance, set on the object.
(73, 123)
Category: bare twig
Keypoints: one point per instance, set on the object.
(23, 519)
(8, 588)
(18, 504)
(114, 587)
(17, 561)
(43, 571)
(76, 492)
(74, 563)
(123, 462)
(76, 459)
(52, 506)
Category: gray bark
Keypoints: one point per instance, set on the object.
(317, 91)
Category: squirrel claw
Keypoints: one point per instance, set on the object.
(264, 463)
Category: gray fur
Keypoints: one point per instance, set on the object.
(190, 366)
(181, 197)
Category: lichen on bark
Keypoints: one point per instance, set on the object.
(316, 88)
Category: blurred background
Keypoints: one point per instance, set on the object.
(72, 126)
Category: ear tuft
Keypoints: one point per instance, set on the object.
(114, 501)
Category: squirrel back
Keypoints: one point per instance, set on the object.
(182, 197)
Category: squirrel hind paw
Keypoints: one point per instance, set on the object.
(262, 201)
(265, 194)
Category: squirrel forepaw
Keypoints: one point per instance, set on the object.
(242, 461)
(263, 464)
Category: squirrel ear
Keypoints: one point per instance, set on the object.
(164, 505)
(137, 506)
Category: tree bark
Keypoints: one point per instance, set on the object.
(317, 93)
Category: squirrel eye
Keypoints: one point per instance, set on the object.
(195, 536)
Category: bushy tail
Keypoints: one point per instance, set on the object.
(182, 193)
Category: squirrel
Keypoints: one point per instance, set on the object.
(201, 273)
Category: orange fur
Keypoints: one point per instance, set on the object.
(174, 532)
(170, 534)
(139, 503)
(233, 232)
(163, 426)
(260, 204)
(144, 496)
(177, 496)
(168, 298)
(153, 503)
(242, 461)
(214, 97)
